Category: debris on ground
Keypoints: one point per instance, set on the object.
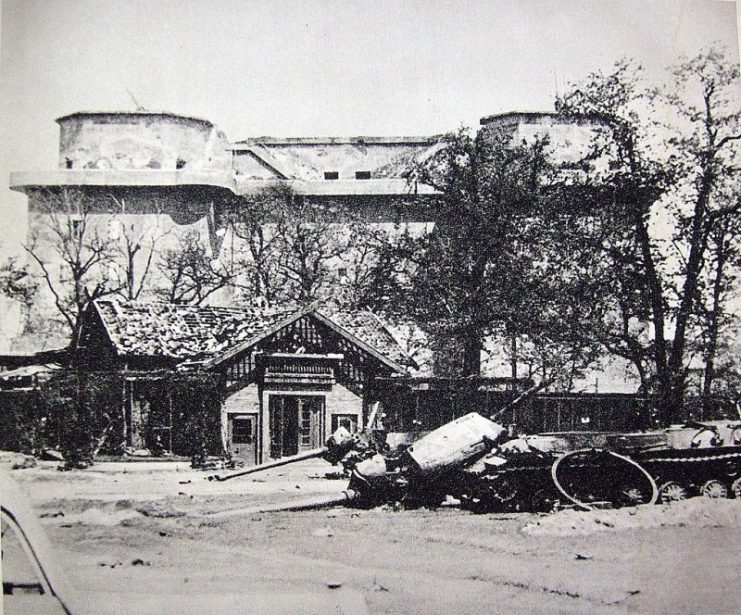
(534, 574)
(695, 512)
(138, 452)
(378, 587)
(51, 515)
(110, 564)
(160, 511)
(473, 463)
(50, 454)
(17, 461)
(94, 516)
(332, 476)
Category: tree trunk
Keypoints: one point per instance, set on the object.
(698, 242)
(472, 346)
(656, 296)
(714, 324)
(130, 279)
(513, 356)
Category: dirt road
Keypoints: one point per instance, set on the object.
(146, 527)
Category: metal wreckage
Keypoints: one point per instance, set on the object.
(476, 462)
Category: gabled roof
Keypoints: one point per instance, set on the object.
(368, 332)
(213, 334)
(182, 331)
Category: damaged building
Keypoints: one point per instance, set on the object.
(283, 378)
(154, 178)
(286, 376)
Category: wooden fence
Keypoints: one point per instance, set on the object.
(422, 405)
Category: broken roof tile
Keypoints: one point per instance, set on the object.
(182, 331)
(203, 332)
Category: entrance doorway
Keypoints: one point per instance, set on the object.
(296, 424)
(243, 437)
(148, 417)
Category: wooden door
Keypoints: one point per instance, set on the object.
(296, 424)
(310, 422)
(243, 437)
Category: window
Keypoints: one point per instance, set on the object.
(362, 174)
(76, 229)
(331, 175)
(242, 430)
(348, 421)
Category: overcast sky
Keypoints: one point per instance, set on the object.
(319, 68)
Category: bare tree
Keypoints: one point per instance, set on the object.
(190, 272)
(71, 253)
(253, 246)
(136, 246)
(308, 254)
(366, 267)
(292, 249)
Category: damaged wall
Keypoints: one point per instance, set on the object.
(140, 140)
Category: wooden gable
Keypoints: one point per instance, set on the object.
(93, 347)
(310, 335)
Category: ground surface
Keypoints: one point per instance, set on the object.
(682, 558)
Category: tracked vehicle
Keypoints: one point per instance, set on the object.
(586, 470)
(474, 460)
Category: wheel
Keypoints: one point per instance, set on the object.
(736, 488)
(610, 478)
(714, 489)
(482, 495)
(672, 492)
(731, 469)
(505, 489)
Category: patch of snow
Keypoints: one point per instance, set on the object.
(695, 512)
(95, 516)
